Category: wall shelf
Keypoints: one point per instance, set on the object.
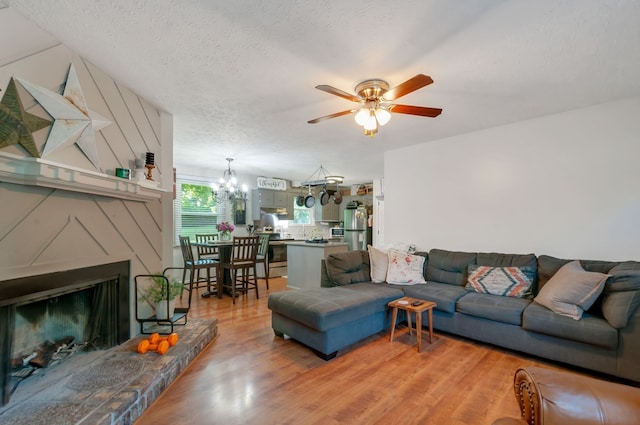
(43, 173)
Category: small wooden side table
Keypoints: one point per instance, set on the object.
(406, 304)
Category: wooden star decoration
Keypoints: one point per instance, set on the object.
(16, 124)
(74, 121)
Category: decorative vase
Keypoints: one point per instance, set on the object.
(225, 236)
(162, 313)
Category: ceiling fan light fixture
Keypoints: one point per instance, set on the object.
(374, 99)
(362, 115)
(371, 123)
(382, 115)
(370, 133)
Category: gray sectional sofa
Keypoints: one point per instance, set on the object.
(606, 339)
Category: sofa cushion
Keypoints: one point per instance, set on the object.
(493, 307)
(449, 267)
(548, 266)
(444, 295)
(405, 269)
(621, 296)
(495, 259)
(327, 308)
(379, 263)
(505, 281)
(590, 329)
(571, 290)
(345, 268)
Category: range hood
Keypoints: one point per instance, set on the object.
(281, 213)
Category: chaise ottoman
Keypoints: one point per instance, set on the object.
(329, 319)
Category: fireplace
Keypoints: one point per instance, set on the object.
(90, 304)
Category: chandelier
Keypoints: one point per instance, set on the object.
(227, 187)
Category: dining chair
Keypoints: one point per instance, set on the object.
(263, 256)
(194, 266)
(243, 259)
(207, 251)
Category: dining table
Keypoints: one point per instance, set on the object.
(223, 276)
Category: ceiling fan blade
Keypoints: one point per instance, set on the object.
(415, 110)
(408, 86)
(327, 117)
(338, 92)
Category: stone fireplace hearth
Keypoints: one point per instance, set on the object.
(112, 388)
(111, 384)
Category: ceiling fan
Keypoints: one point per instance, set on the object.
(374, 102)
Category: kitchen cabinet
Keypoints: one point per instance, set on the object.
(266, 198)
(329, 212)
(280, 199)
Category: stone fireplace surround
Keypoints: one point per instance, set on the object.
(108, 387)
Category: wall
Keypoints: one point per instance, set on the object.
(44, 230)
(565, 185)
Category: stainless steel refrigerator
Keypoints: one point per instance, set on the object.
(355, 228)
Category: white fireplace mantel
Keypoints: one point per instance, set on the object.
(44, 173)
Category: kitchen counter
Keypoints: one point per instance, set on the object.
(315, 244)
(304, 262)
(275, 242)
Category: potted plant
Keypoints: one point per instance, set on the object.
(156, 294)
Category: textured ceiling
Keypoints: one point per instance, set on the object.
(239, 76)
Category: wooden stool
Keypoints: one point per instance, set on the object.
(407, 304)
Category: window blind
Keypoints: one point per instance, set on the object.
(196, 209)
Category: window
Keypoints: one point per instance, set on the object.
(301, 215)
(195, 209)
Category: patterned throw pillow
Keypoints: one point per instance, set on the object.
(505, 281)
(405, 269)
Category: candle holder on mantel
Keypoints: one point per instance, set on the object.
(149, 165)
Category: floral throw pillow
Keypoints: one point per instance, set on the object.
(505, 281)
(405, 269)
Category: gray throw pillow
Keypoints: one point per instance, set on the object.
(621, 296)
(571, 290)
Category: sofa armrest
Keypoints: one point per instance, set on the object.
(325, 281)
(548, 396)
(509, 421)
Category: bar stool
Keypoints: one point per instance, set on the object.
(243, 259)
(263, 256)
(194, 266)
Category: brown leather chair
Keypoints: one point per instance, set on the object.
(553, 397)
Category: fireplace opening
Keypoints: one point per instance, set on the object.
(45, 318)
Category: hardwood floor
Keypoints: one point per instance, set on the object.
(249, 376)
